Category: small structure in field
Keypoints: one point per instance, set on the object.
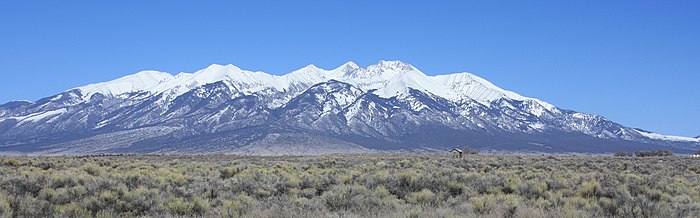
(456, 153)
(695, 155)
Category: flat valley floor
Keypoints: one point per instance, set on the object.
(366, 185)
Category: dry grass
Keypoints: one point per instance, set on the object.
(372, 185)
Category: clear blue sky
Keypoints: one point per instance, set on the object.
(635, 62)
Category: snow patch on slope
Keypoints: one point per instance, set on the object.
(36, 117)
(481, 90)
(657, 136)
(400, 84)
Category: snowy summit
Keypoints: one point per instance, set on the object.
(390, 105)
(386, 78)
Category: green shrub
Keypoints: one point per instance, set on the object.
(105, 214)
(424, 197)
(308, 193)
(228, 172)
(5, 208)
(200, 206)
(483, 204)
(532, 189)
(10, 162)
(356, 198)
(72, 210)
(140, 201)
(589, 188)
(236, 207)
(623, 154)
(92, 169)
(455, 188)
(179, 206)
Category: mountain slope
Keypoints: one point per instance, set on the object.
(390, 105)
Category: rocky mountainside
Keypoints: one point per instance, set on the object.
(390, 105)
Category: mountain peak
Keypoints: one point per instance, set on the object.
(151, 73)
(390, 77)
(393, 65)
(347, 67)
(215, 72)
(402, 83)
(131, 83)
(350, 64)
(310, 69)
(392, 62)
(218, 69)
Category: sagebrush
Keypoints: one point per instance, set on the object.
(370, 185)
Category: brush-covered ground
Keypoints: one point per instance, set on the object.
(368, 185)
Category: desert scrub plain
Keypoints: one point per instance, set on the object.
(369, 185)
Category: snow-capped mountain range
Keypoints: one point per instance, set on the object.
(390, 105)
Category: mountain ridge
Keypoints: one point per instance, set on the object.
(385, 106)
